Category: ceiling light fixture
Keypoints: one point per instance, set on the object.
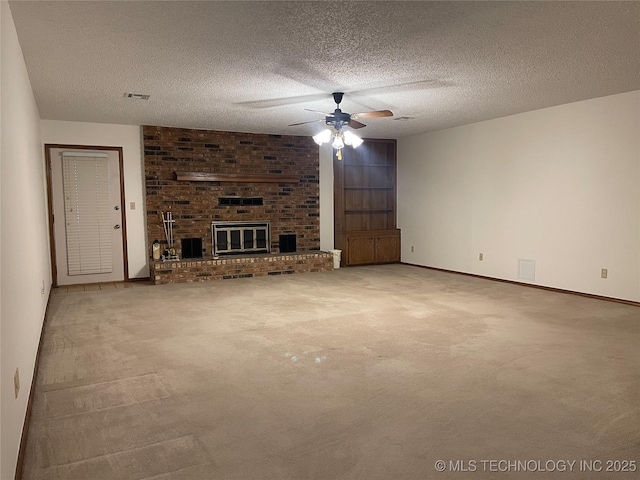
(340, 139)
(352, 139)
(322, 137)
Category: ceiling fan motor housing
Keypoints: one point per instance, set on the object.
(338, 118)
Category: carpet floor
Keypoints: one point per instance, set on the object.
(382, 372)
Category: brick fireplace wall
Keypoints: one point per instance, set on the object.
(292, 207)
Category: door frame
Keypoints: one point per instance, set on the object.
(52, 242)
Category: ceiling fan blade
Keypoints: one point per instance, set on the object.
(355, 124)
(376, 114)
(280, 102)
(318, 111)
(304, 123)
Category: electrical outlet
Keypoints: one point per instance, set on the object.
(42, 289)
(481, 257)
(604, 273)
(16, 382)
(411, 248)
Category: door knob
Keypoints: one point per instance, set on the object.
(116, 227)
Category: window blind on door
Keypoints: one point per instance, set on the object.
(87, 210)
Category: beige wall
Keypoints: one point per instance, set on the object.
(560, 186)
(24, 243)
(129, 137)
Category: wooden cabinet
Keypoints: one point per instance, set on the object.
(387, 247)
(368, 247)
(360, 250)
(365, 203)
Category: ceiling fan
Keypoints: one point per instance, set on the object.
(336, 122)
(339, 119)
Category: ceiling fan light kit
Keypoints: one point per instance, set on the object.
(340, 138)
(337, 121)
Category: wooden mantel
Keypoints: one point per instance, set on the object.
(236, 177)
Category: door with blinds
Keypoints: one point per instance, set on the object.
(87, 216)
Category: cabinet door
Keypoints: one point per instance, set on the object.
(387, 248)
(360, 250)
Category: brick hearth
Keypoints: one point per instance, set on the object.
(203, 270)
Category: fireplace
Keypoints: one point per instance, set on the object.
(232, 238)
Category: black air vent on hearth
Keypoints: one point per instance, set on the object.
(191, 248)
(287, 243)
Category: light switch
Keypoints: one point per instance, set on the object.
(132, 205)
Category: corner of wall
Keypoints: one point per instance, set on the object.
(326, 198)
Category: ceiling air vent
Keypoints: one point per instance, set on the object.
(137, 96)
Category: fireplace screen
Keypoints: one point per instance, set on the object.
(240, 237)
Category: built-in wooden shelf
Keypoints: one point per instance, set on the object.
(364, 193)
(236, 177)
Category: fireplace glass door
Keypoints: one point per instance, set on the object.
(240, 237)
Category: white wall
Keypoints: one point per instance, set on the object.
(129, 137)
(560, 186)
(24, 245)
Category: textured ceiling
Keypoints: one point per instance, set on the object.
(255, 66)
